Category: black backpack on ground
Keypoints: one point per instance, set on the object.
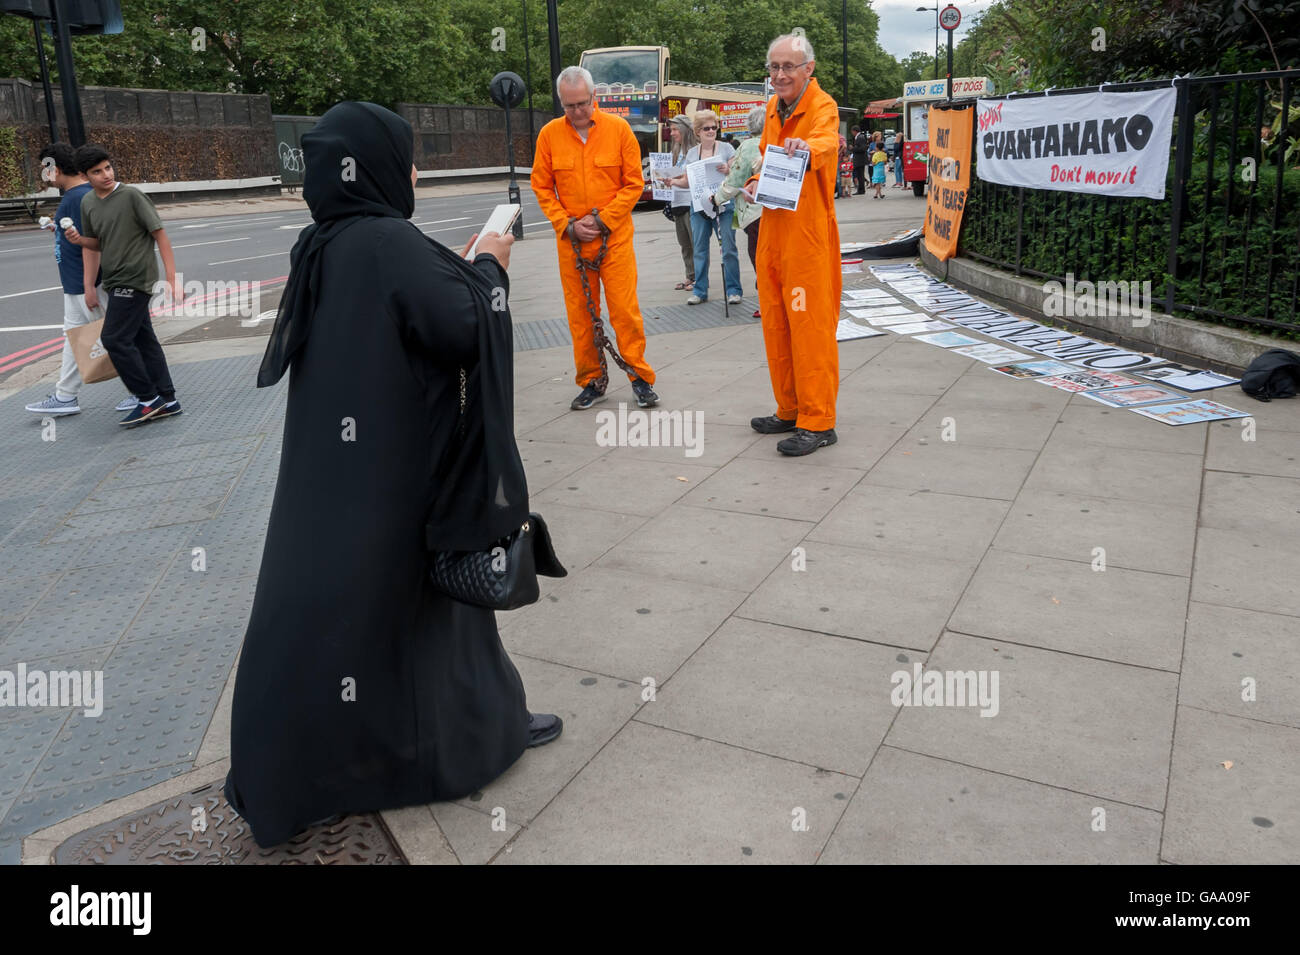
(1274, 374)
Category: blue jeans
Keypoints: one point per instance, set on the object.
(702, 228)
(898, 170)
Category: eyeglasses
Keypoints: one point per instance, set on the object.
(585, 103)
(775, 68)
(705, 129)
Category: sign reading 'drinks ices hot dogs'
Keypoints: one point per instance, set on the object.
(1114, 144)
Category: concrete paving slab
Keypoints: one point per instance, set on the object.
(1243, 812)
(899, 600)
(954, 467)
(1090, 726)
(619, 624)
(593, 708)
(1271, 452)
(985, 427)
(789, 693)
(1091, 470)
(1135, 535)
(1085, 421)
(581, 535)
(911, 522)
(546, 462)
(416, 831)
(758, 486)
(1251, 504)
(697, 802)
(981, 388)
(699, 544)
(474, 837)
(918, 810)
(1226, 647)
(909, 368)
(1228, 566)
(1128, 616)
(717, 445)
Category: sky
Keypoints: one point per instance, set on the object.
(903, 29)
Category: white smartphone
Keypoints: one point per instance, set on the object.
(500, 221)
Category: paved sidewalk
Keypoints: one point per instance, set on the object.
(723, 649)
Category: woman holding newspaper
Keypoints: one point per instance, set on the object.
(706, 165)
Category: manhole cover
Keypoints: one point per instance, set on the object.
(200, 828)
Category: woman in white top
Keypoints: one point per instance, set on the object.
(703, 226)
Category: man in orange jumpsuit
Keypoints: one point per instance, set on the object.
(798, 257)
(587, 177)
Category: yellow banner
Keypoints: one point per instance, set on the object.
(950, 139)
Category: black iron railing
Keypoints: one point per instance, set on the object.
(1224, 243)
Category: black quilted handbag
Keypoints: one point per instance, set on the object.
(503, 577)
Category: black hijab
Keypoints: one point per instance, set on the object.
(481, 492)
(358, 164)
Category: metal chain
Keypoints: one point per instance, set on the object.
(603, 344)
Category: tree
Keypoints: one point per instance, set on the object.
(920, 66)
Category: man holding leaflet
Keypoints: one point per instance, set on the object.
(798, 257)
(587, 177)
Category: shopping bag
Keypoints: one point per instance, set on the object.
(92, 360)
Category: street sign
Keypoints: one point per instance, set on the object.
(949, 18)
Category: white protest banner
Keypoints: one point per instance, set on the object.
(1114, 144)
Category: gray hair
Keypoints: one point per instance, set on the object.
(572, 76)
(755, 119)
(797, 40)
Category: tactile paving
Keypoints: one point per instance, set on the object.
(39, 808)
(159, 696)
(96, 532)
(200, 828)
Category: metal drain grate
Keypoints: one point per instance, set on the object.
(166, 834)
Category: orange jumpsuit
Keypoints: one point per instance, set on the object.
(571, 178)
(799, 272)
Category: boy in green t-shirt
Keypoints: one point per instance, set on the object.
(122, 224)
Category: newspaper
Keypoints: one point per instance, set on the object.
(781, 179)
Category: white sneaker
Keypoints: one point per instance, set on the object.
(127, 403)
(695, 300)
(53, 405)
(734, 300)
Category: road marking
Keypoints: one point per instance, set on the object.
(191, 245)
(35, 352)
(440, 221)
(34, 291)
(227, 225)
(24, 248)
(30, 328)
(295, 225)
(247, 258)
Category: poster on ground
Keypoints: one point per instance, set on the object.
(1113, 144)
(950, 135)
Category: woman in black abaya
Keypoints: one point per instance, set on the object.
(360, 687)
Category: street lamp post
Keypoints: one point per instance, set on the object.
(935, 8)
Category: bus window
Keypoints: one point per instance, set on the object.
(624, 71)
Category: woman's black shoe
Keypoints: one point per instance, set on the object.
(542, 728)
